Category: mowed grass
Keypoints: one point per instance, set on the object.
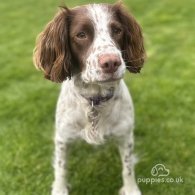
(163, 95)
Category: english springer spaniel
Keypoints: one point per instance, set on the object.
(88, 48)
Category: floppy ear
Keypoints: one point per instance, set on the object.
(52, 52)
(133, 46)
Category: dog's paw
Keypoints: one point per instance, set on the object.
(127, 191)
(59, 191)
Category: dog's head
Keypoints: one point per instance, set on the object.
(99, 41)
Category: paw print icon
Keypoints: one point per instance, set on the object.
(160, 170)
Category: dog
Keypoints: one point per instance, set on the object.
(88, 49)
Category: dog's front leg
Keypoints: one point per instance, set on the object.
(126, 151)
(59, 184)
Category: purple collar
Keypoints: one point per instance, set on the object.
(98, 99)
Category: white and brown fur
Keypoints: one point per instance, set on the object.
(88, 49)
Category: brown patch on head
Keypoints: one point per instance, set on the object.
(127, 33)
(116, 30)
(81, 35)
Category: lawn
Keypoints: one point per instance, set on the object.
(163, 94)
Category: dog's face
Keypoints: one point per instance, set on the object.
(98, 41)
(96, 38)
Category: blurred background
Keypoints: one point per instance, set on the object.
(163, 94)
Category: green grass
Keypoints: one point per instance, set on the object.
(163, 94)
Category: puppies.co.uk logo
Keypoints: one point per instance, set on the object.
(160, 174)
(159, 170)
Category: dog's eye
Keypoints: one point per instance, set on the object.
(81, 35)
(116, 30)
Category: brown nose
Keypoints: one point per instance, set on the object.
(109, 63)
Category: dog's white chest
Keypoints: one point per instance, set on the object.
(78, 118)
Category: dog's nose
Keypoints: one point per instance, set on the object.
(109, 63)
